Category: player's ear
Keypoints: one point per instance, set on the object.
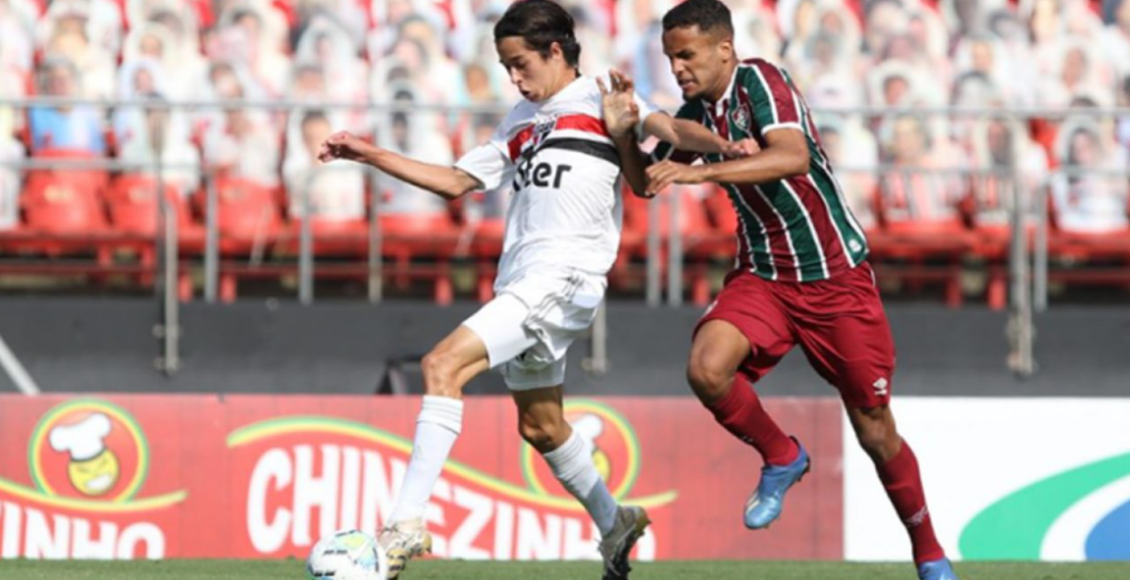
(726, 49)
(556, 52)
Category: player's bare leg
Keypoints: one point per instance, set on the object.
(541, 421)
(898, 470)
(718, 351)
(452, 363)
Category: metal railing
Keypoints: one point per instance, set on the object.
(1028, 266)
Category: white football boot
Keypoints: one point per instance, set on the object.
(617, 544)
(403, 541)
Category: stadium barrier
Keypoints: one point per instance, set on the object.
(195, 476)
(1002, 485)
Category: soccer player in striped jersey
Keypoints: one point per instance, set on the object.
(800, 278)
(562, 235)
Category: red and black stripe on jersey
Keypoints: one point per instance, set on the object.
(580, 133)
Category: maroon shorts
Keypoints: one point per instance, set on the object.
(839, 323)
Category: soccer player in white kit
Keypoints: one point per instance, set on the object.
(562, 235)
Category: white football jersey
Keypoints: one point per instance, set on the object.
(566, 210)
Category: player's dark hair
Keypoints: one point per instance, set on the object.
(710, 16)
(540, 23)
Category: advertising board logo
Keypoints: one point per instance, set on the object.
(88, 460)
(615, 450)
(307, 476)
(87, 450)
(1079, 514)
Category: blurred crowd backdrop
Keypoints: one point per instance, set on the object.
(869, 68)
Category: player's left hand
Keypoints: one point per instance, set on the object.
(665, 173)
(621, 113)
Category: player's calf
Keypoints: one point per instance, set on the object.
(544, 435)
(876, 432)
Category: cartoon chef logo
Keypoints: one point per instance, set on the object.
(590, 428)
(612, 442)
(90, 450)
(94, 468)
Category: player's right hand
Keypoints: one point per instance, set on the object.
(343, 145)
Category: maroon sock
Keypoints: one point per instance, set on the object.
(903, 483)
(741, 413)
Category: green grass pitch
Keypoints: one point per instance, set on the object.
(439, 570)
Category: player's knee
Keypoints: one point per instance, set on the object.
(708, 379)
(542, 436)
(439, 370)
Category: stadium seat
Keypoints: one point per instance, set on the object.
(132, 202)
(1087, 259)
(421, 246)
(713, 245)
(918, 253)
(486, 247)
(248, 212)
(56, 204)
(248, 220)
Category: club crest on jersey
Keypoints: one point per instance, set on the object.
(541, 131)
(740, 117)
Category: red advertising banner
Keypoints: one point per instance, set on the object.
(202, 476)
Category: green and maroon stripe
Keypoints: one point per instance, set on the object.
(841, 241)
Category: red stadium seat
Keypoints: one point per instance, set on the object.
(486, 247)
(248, 211)
(918, 252)
(1086, 259)
(421, 246)
(249, 218)
(94, 179)
(132, 201)
(58, 205)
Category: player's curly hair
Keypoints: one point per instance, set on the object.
(540, 23)
(710, 16)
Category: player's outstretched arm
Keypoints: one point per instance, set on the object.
(687, 135)
(447, 182)
(785, 155)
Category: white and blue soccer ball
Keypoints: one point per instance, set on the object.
(347, 555)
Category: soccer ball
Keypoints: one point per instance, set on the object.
(347, 555)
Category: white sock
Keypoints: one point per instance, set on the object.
(572, 465)
(437, 427)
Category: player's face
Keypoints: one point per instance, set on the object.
(699, 61)
(537, 78)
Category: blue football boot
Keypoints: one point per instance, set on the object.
(936, 570)
(765, 505)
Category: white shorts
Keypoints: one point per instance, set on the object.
(530, 324)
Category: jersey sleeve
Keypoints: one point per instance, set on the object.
(692, 111)
(490, 162)
(774, 102)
